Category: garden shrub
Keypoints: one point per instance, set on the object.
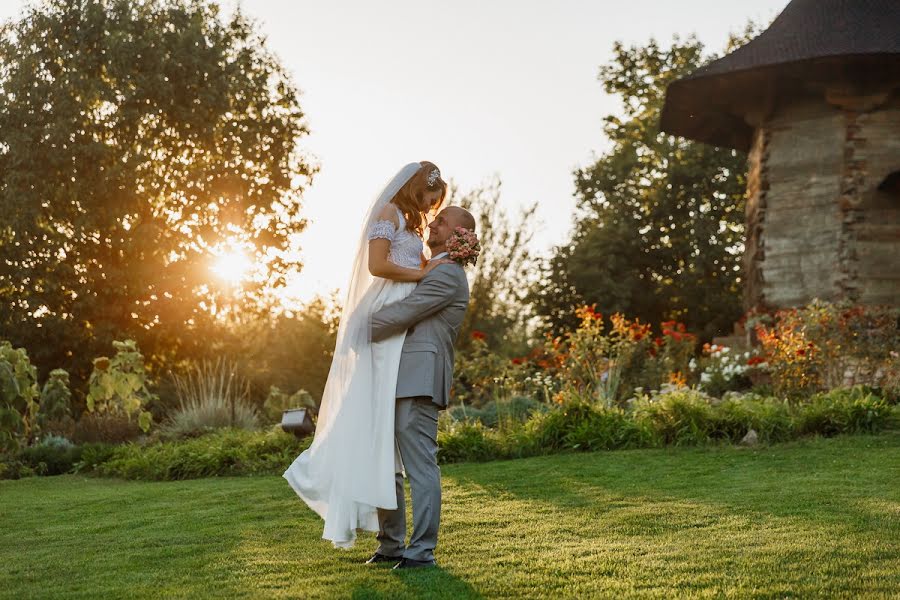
(844, 410)
(468, 441)
(222, 452)
(110, 428)
(53, 455)
(680, 417)
(769, 417)
(823, 346)
(497, 412)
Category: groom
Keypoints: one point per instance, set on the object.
(431, 315)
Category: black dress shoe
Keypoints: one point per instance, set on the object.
(378, 558)
(408, 563)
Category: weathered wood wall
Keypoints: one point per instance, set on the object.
(816, 225)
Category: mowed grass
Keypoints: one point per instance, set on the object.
(807, 519)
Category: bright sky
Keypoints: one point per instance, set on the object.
(479, 87)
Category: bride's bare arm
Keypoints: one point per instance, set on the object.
(379, 248)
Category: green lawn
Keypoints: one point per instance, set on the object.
(807, 519)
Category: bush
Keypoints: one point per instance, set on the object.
(824, 346)
(769, 417)
(497, 412)
(110, 428)
(468, 441)
(12, 467)
(53, 455)
(55, 399)
(847, 410)
(223, 452)
(680, 417)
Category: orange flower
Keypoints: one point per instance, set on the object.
(478, 335)
(677, 379)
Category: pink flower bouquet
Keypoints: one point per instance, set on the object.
(463, 246)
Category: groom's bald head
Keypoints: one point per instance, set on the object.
(444, 223)
(460, 217)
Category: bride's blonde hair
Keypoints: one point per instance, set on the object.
(409, 198)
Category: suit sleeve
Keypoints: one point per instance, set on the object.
(432, 294)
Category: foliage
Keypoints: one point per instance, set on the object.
(673, 416)
(53, 455)
(291, 351)
(481, 375)
(277, 402)
(606, 366)
(222, 452)
(496, 294)
(138, 140)
(824, 345)
(496, 413)
(657, 213)
(55, 399)
(18, 391)
(844, 410)
(210, 396)
(721, 370)
(119, 385)
(107, 428)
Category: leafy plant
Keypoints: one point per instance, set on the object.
(119, 385)
(55, 398)
(18, 390)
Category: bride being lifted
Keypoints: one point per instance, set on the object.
(348, 471)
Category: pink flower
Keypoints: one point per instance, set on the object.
(463, 246)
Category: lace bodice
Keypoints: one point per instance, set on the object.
(406, 246)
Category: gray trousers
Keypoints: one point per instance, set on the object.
(415, 430)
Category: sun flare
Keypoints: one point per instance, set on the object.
(232, 266)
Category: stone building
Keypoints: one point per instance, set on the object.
(815, 101)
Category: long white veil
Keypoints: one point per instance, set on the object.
(348, 470)
(349, 328)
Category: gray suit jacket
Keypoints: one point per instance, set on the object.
(431, 315)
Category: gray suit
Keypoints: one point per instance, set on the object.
(432, 316)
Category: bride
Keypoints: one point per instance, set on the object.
(348, 471)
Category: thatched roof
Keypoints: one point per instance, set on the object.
(812, 43)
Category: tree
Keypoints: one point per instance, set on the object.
(659, 230)
(498, 280)
(138, 140)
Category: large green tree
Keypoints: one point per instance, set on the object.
(498, 281)
(137, 139)
(660, 223)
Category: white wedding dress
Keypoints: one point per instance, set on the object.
(349, 470)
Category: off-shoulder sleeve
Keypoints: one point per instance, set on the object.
(382, 229)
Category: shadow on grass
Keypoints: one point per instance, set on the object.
(840, 481)
(426, 582)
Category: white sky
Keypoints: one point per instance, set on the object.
(479, 87)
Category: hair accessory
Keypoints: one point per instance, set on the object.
(432, 177)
